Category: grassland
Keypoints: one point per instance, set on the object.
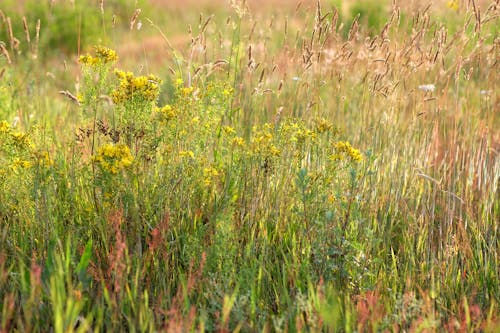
(283, 167)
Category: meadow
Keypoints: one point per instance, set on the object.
(270, 166)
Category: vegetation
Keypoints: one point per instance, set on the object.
(308, 168)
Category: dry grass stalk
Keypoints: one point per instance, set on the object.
(5, 53)
(134, 18)
(26, 31)
(37, 39)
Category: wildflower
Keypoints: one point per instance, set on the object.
(187, 91)
(43, 159)
(452, 4)
(19, 163)
(21, 139)
(227, 91)
(195, 120)
(228, 130)
(88, 60)
(238, 141)
(323, 125)
(209, 174)
(105, 54)
(113, 158)
(344, 148)
(186, 153)
(166, 112)
(427, 87)
(178, 82)
(132, 87)
(4, 127)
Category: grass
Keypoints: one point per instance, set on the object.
(293, 169)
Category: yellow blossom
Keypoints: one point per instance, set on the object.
(210, 174)
(166, 112)
(19, 163)
(186, 153)
(113, 158)
(344, 148)
(228, 130)
(4, 126)
(132, 87)
(105, 54)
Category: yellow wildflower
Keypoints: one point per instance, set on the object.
(166, 112)
(113, 158)
(210, 174)
(238, 141)
(105, 54)
(43, 159)
(228, 130)
(344, 148)
(131, 87)
(186, 153)
(453, 5)
(4, 127)
(21, 139)
(18, 163)
(323, 125)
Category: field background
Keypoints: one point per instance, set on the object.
(275, 166)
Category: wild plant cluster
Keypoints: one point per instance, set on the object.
(304, 172)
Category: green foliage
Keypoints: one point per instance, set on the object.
(254, 182)
(373, 15)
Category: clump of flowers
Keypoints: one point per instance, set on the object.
(144, 88)
(323, 125)
(15, 149)
(343, 149)
(43, 159)
(210, 174)
(103, 55)
(166, 113)
(263, 142)
(4, 126)
(113, 158)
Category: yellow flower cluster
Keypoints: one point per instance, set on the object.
(344, 149)
(131, 87)
(453, 5)
(104, 55)
(166, 112)
(262, 142)
(113, 158)
(210, 174)
(323, 125)
(19, 163)
(296, 132)
(186, 153)
(21, 139)
(4, 127)
(43, 159)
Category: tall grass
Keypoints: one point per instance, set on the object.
(295, 172)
